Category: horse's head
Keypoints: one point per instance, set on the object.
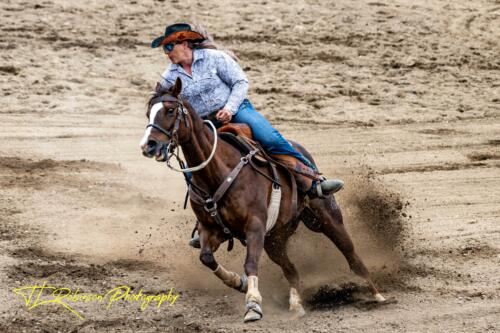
(168, 122)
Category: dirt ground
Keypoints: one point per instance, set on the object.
(401, 99)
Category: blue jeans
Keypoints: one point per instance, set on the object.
(264, 133)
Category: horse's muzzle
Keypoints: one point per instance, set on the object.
(155, 149)
(149, 149)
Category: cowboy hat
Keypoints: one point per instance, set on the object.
(177, 32)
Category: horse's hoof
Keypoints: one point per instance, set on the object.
(195, 242)
(244, 284)
(379, 298)
(375, 304)
(252, 315)
(297, 311)
(254, 312)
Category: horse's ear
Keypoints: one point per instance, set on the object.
(176, 90)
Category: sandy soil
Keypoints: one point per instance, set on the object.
(399, 98)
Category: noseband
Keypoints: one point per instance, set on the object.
(172, 142)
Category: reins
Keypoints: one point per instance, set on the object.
(203, 164)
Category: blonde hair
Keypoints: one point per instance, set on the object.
(209, 43)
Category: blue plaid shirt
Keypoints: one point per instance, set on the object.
(217, 82)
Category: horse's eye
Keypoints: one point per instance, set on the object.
(170, 112)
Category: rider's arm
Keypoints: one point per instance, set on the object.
(231, 73)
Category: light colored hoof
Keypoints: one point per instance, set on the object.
(254, 312)
(379, 298)
(297, 311)
(252, 315)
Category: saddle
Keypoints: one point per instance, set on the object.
(240, 136)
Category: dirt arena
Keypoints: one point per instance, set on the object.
(401, 99)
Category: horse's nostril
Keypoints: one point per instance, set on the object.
(151, 144)
(149, 148)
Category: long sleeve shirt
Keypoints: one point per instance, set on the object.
(217, 82)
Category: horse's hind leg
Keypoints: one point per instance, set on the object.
(276, 250)
(328, 213)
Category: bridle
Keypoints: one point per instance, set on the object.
(169, 146)
(181, 111)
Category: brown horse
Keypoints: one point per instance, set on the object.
(243, 209)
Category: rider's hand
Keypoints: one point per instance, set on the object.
(224, 116)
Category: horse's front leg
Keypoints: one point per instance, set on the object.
(255, 235)
(209, 244)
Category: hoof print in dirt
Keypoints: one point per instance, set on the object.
(374, 304)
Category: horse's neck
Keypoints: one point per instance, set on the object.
(198, 150)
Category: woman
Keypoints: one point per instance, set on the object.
(214, 83)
